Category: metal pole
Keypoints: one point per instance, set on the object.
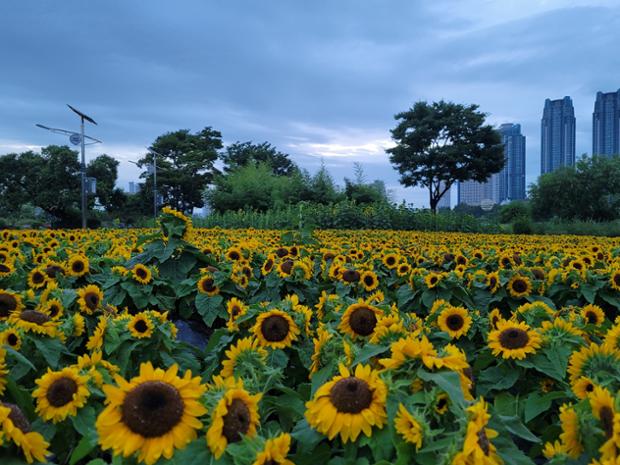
(83, 168)
(154, 185)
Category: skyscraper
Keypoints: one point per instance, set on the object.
(606, 124)
(512, 176)
(474, 193)
(557, 135)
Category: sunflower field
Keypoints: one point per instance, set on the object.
(186, 346)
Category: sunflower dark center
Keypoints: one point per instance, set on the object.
(141, 273)
(4, 268)
(53, 270)
(363, 321)
(441, 403)
(8, 303)
(92, 300)
(369, 280)
(17, 417)
(235, 310)
(351, 276)
(350, 395)
(519, 286)
(538, 274)
(483, 442)
(607, 419)
(141, 326)
(208, 285)
(455, 322)
(77, 266)
(390, 261)
(54, 310)
(61, 392)
(590, 387)
(268, 264)
(433, 279)
(281, 252)
(234, 256)
(274, 328)
(492, 281)
(32, 316)
(236, 421)
(38, 277)
(12, 339)
(287, 266)
(617, 279)
(513, 338)
(152, 409)
(591, 317)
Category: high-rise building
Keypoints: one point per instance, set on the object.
(476, 193)
(134, 187)
(606, 124)
(557, 135)
(444, 202)
(512, 176)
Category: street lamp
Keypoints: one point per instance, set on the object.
(154, 153)
(78, 138)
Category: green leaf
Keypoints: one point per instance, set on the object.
(84, 447)
(51, 350)
(306, 437)
(209, 307)
(321, 377)
(369, 351)
(497, 378)
(514, 425)
(509, 452)
(449, 381)
(536, 404)
(23, 365)
(196, 453)
(84, 422)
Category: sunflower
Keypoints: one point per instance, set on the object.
(141, 274)
(410, 348)
(235, 309)
(14, 426)
(582, 387)
(79, 324)
(206, 285)
(477, 447)
(319, 343)
(592, 360)
(612, 337)
(235, 415)
(6, 269)
(455, 321)
(11, 338)
(614, 280)
(60, 393)
(276, 329)
(442, 402)
(246, 350)
(95, 341)
(432, 279)
(513, 340)
(37, 278)
(35, 322)
(391, 260)
(141, 326)
(53, 308)
(409, 427)
(9, 302)
(77, 265)
(349, 404)
(360, 320)
(369, 280)
(492, 282)
(593, 314)
(570, 436)
(152, 414)
(519, 286)
(90, 297)
(275, 451)
(602, 403)
(3, 373)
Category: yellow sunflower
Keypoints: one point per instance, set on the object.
(409, 427)
(247, 348)
(14, 426)
(95, 341)
(235, 309)
(77, 265)
(593, 315)
(206, 285)
(90, 298)
(141, 274)
(3, 371)
(477, 448)
(602, 403)
(275, 451)
(614, 280)
(35, 322)
(519, 286)
(612, 337)
(54, 308)
(492, 282)
(9, 302)
(319, 343)
(410, 348)
(349, 404)
(360, 320)
(442, 402)
(592, 360)
(152, 414)
(275, 329)
(60, 393)
(582, 387)
(513, 340)
(141, 326)
(570, 436)
(11, 338)
(369, 280)
(6, 268)
(455, 321)
(432, 280)
(235, 415)
(37, 278)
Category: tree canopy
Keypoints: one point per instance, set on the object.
(441, 143)
(185, 165)
(242, 153)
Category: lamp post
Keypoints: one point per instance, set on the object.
(78, 138)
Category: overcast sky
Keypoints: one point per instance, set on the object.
(321, 80)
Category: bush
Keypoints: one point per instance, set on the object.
(522, 225)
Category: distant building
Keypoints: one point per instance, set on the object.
(444, 202)
(557, 135)
(134, 187)
(606, 124)
(475, 193)
(512, 176)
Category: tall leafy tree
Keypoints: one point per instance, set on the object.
(185, 165)
(242, 153)
(104, 168)
(440, 143)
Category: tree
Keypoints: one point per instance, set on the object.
(185, 166)
(441, 143)
(362, 192)
(322, 188)
(104, 168)
(242, 153)
(590, 190)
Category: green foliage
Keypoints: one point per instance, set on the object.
(514, 211)
(185, 165)
(588, 191)
(244, 153)
(441, 143)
